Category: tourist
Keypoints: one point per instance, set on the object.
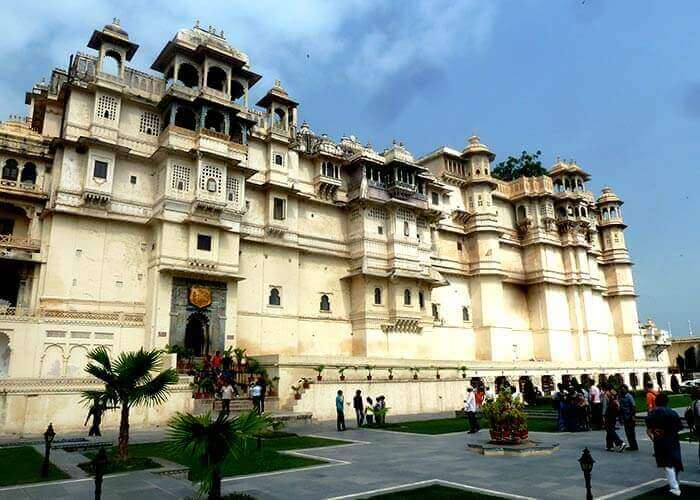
(369, 411)
(227, 392)
(695, 413)
(612, 440)
(628, 411)
(255, 392)
(596, 406)
(358, 405)
(96, 411)
(470, 409)
(380, 415)
(651, 397)
(340, 411)
(263, 392)
(489, 393)
(663, 425)
(207, 363)
(558, 402)
(479, 396)
(216, 361)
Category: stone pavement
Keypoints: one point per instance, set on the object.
(384, 459)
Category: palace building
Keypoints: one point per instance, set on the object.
(164, 208)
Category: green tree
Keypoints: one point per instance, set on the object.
(129, 382)
(210, 442)
(527, 165)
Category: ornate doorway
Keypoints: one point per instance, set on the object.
(197, 334)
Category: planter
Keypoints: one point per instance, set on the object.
(504, 435)
(319, 377)
(391, 377)
(297, 396)
(464, 375)
(415, 377)
(369, 377)
(197, 395)
(437, 376)
(342, 377)
(306, 385)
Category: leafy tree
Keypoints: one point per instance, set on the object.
(129, 382)
(210, 442)
(527, 165)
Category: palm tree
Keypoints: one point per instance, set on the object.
(129, 382)
(209, 442)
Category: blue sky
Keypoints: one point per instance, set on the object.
(614, 85)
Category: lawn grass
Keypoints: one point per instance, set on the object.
(688, 436)
(662, 493)
(435, 491)
(266, 460)
(674, 400)
(447, 425)
(22, 465)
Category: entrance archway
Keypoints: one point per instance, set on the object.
(197, 334)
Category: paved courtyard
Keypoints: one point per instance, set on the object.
(380, 460)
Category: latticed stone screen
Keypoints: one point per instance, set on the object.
(209, 172)
(180, 179)
(107, 107)
(150, 123)
(233, 187)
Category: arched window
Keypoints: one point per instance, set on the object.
(377, 296)
(279, 160)
(10, 170)
(561, 212)
(557, 186)
(212, 185)
(421, 300)
(188, 76)
(584, 212)
(111, 63)
(570, 210)
(407, 297)
(169, 75)
(406, 229)
(236, 133)
(465, 313)
(606, 214)
(274, 299)
(522, 212)
(280, 118)
(214, 121)
(28, 174)
(185, 118)
(435, 310)
(216, 79)
(567, 186)
(325, 303)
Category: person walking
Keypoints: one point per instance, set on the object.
(628, 411)
(612, 440)
(558, 401)
(695, 412)
(369, 415)
(96, 411)
(596, 406)
(263, 391)
(663, 425)
(255, 392)
(470, 409)
(226, 396)
(651, 397)
(358, 405)
(340, 411)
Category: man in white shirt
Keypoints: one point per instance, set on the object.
(226, 396)
(255, 393)
(490, 394)
(596, 406)
(470, 409)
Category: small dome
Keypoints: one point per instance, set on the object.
(116, 27)
(608, 196)
(475, 147)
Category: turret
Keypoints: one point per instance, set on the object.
(281, 109)
(478, 158)
(114, 48)
(610, 224)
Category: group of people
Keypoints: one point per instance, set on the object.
(366, 410)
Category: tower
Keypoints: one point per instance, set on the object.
(114, 48)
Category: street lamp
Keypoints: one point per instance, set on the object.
(586, 461)
(100, 464)
(48, 439)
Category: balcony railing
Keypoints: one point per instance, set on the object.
(22, 187)
(20, 242)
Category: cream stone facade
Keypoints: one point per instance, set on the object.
(147, 209)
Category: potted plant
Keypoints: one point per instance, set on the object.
(437, 372)
(341, 371)
(369, 369)
(319, 370)
(240, 357)
(305, 382)
(463, 369)
(415, 370)
(506, 417)
(391, 373)
(297, 391)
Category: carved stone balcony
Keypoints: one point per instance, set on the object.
(19, 243)
(401, 190)
(460, 216)
(96, 198)
(203, 141)
(23, 188)
(326, 186)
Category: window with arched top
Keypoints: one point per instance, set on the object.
(274, 299)
(325, 303)
(188, 75)
(237, 90)
(212, 185)
(584, 212)
(606, 214)
(377, 296)
(10, 171)
(436, 311)
(111, 63)
(406, 229)
(465, 313)
(570, 210)
(407, 297)
(561, 212)
(28, 174)
(217, 78)
(522, 212)
(280, 118)
(279, 159)
(214, 120)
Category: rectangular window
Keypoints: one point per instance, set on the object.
(436, 199)
(279, 209)
(132, 179)
(380, 230)
(204, 242)
(459, 246)
(100, 171)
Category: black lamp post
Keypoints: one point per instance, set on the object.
(48, 439)
(586, 461)
(100, 464)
